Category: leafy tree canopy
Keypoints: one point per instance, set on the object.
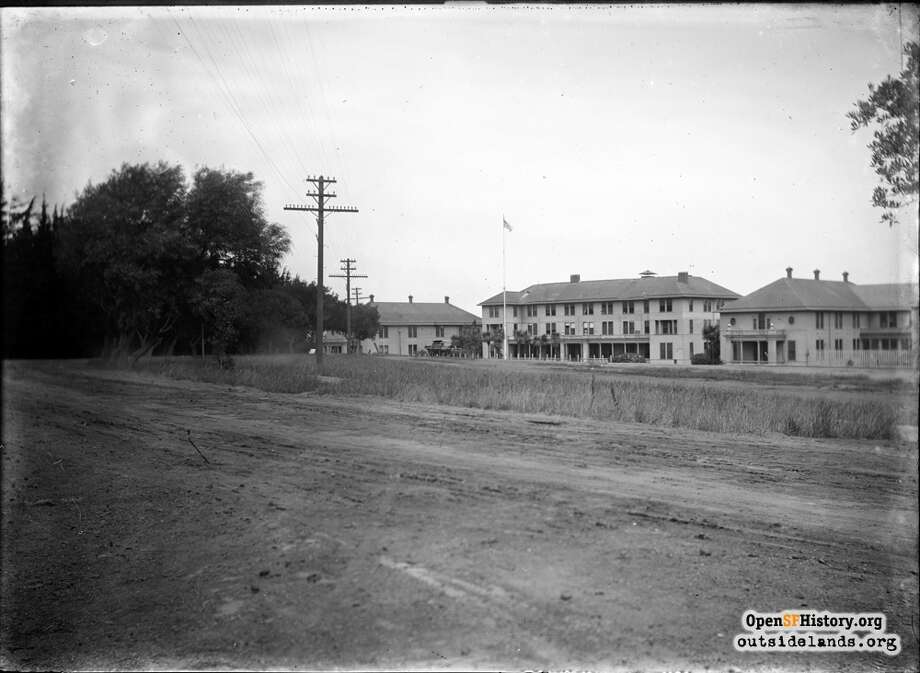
(892, 109)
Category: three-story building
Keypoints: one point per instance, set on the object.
(660, 318)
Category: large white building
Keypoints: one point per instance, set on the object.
(660, 318)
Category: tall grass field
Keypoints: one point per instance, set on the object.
(679, 403)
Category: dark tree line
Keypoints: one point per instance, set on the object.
(148, 262)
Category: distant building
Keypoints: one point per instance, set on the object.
(334, 342)
(658, 318)
(814, 322)
(408, 328)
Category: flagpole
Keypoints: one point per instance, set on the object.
(504, 298)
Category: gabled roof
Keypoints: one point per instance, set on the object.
(422, 313)
(802, 294)
(652, 287)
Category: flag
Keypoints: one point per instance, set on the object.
(506, 225)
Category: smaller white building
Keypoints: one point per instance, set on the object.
(409, 327)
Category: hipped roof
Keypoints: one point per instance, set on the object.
(422, 313)
(652, 287)
(790, 294)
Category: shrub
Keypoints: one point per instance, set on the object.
(627, 357)
(704, 359)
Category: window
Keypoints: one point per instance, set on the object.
(383, 332)
(707, 305)
(587, 328)
(731, 321)
(629, 327)
(550, 309)
(413, 332)
(607, 328)
(664, 306)
(838, 320)
(691, 328)
(569, 329)
(819, 345)
(569, 309)
(792, 320)
(666, 351)
(550, 328)
(438, 331)
(629, 307)
(514, 310)
(493, 311)
(532, 311)
(856, 320)
(855, 344)
(607, 308)
(838, 343)
(819, 320)
(587, 309)
(413, 349)
(532, 329)
(665, 327)
(385, 348)
(514, 328)
(691, 349)
(888, 319)
(790, 351)
(761, 322)
(646, 327)
(691, 306)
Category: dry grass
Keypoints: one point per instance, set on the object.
(681, 403)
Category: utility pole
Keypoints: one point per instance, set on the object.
(320, 196)
(357, 291)
(348, 268)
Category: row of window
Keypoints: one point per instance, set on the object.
(868, 344)
(384, 331)
(886, 320)
(607, 327)
(606, 308)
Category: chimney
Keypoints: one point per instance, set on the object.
(446, 299)
(683, 276)
(846, 276)
(372, 299)
(575, 278)
(817, 274)
(788, 272)
(410, 298)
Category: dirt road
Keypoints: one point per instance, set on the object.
(330, 532)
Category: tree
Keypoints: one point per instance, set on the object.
(228, 227)
(126, 247)
(469, 340)
(711, 341)
(892, 109)
(220, 302)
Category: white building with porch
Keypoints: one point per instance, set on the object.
(829, 323)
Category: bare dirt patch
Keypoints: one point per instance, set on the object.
(330, 532)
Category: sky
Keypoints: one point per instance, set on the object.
(614, 139)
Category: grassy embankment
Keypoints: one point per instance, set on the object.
(683, 403)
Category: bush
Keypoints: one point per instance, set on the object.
(704, 359)
(627, 357)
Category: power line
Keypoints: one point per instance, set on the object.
(226, 91)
